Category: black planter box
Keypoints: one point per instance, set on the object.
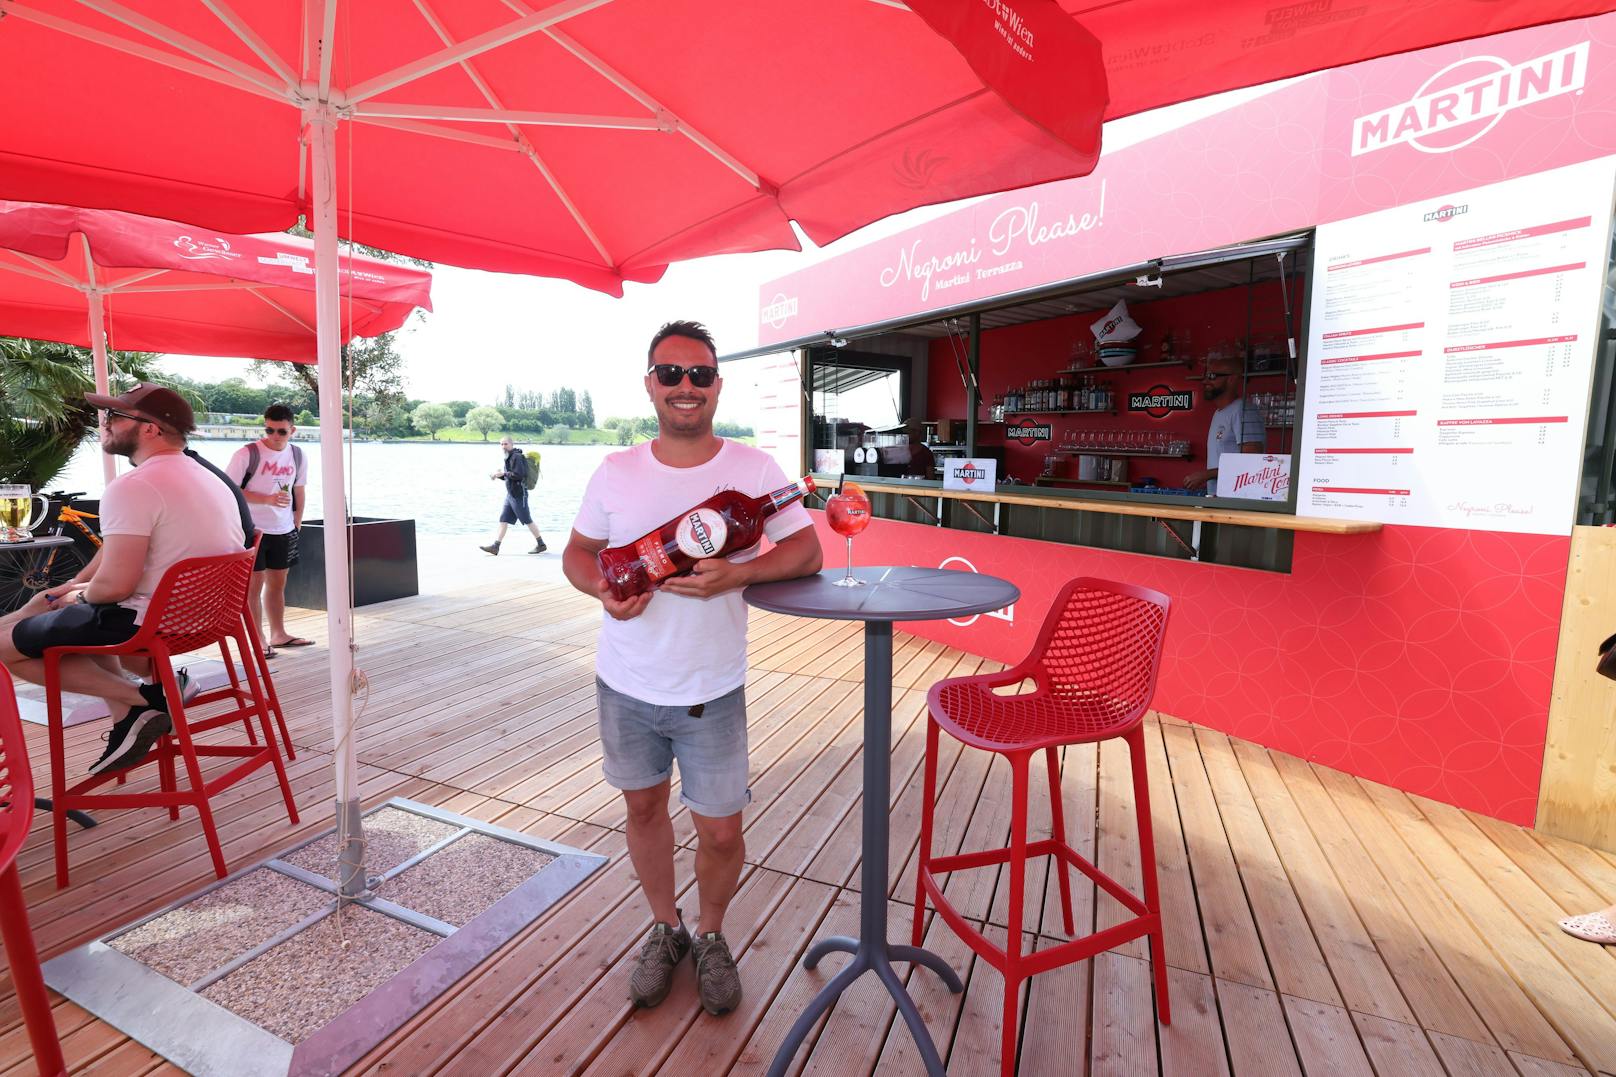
(383, 563)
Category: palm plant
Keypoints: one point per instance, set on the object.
(43, 415)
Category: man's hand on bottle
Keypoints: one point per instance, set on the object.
(709, 577)
(626, 610)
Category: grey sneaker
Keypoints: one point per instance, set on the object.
(652, 978)
(715, 969)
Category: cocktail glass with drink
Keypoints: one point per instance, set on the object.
(848, 512)
(16, 502)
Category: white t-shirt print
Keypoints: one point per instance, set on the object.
(681, 651)
(275, 469)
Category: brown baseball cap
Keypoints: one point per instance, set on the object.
(153, 403)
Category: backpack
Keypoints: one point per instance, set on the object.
(252, 462)
(530, 478)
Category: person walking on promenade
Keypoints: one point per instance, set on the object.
(272, 473)
(671, 665)
(515, 474)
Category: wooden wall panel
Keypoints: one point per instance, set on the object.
(1577, 799)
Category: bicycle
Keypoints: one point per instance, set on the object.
(24, 574)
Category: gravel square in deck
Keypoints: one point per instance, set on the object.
(465, 877)
(187, 943)
(392, 836)
(298, 987)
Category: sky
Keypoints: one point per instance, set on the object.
(487, 330)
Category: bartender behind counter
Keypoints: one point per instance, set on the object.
(1236, 426)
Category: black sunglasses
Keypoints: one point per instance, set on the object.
(670, 374)
(277, 429)
(110, 412)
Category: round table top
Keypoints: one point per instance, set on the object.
(890, 593)
(39, 542)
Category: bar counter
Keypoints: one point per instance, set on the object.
(1190, 510)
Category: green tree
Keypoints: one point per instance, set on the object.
(558, 435)
(461, 408)
(387, 419)
(43, 414)
(373, 369)
(235, 396)
(586, 409)
(483, 420)
(306, 418)
(430, 418)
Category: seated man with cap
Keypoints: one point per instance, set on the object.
(169, 508)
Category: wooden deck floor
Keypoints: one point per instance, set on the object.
(1316, 923)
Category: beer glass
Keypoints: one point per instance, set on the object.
(15, 503)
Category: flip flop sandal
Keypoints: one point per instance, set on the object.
(269, 652)
(296, 641)
(1593, 927)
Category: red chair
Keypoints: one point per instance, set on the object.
(241, 695)
(1094, 674)
(197, 604)
(16, 814)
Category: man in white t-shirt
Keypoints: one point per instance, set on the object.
(165, 510)
(271, 473)
(1236, 426)
(671, 664)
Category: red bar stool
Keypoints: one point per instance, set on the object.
(1094, 671)
(241, 695)
(197, 604)
(16, 814)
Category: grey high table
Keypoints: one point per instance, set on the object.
(889, 594)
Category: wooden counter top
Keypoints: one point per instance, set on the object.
(1278, 521)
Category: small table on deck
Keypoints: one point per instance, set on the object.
(43, 542)
(889, 594)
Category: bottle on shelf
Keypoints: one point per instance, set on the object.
(725, 523)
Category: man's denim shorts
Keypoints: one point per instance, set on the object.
(641, 740)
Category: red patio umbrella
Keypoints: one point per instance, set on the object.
(100, 279)
(599, 140)
(161, 286)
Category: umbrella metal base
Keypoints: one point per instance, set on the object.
(204, 1037)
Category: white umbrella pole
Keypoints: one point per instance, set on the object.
(351, 849)
(98, 347)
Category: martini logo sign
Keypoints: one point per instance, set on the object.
(1468, 98)
(1159, 401)
(1445, 213)
(779, 310)
(200, 249)
(1027, 432)
(977, 475)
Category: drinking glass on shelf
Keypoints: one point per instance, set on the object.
(848, 512)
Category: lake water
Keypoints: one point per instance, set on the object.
(443, 486)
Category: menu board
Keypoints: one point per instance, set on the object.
(1450, 351)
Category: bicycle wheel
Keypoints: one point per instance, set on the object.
(24, 574)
